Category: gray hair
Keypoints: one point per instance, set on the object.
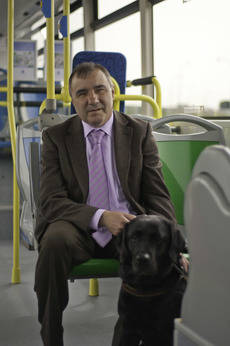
(83, 69)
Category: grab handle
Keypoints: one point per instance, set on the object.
(213, 131)
(206, 124)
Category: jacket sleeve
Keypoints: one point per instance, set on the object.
(55, 200)
(155, 196)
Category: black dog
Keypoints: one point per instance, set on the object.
(153, 282)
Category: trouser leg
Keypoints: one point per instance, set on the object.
(61, 246)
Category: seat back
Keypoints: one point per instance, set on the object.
(114, 62)
(27, 157)
(205, 309)
(24, 112)
(178, 154)
(26, 134)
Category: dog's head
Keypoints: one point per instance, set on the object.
(149, 244)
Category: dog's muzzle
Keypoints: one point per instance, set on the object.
(143, 263)
(142, 258)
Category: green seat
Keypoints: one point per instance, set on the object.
(95, 268)
(178, 154)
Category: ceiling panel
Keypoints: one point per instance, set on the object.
(25, 13)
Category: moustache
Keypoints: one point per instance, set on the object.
(94, 108)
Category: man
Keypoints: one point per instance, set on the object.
(76, 221)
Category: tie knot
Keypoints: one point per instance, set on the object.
(96, 136)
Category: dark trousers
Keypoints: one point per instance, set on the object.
(61, 247)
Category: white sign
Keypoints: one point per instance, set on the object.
(59, 61)
(25, 60)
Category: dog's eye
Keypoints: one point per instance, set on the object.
(158, 240)
(136, 236)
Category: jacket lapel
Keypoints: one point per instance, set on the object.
(76, 148)
(122, 146)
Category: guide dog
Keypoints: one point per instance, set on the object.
(153, 282)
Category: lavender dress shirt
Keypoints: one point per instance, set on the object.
(117, 200)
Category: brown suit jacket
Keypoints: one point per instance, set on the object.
(64, 174)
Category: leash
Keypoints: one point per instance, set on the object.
(180, 271)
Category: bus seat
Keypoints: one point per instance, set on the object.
(178, 154)
(114, 62)
(26, 133)
(28, 111)
(205, 309)
(116, 65)
(24, 112)
(164, 128)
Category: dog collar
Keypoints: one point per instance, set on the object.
(133, 291)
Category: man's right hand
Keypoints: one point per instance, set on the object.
(115, 221)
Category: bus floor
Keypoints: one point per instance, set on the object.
(87, 321)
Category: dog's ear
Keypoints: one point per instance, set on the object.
(177, 244)
(122, 244)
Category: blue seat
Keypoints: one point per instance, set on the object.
(114, 62)
(4, 142)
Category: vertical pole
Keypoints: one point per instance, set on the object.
(147, 57)
(50, 77)
(89, 35)
(66, 12)
(15, 278)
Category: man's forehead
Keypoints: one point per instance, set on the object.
(91, 79)
(95, 74)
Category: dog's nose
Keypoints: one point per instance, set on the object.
(143, 257)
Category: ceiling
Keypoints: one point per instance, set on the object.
(25, 14)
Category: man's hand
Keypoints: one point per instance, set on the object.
(184, 263)
(115, 221)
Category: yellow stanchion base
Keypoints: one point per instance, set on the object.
(16, 276)
(93, 288)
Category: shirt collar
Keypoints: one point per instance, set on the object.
(107, 127)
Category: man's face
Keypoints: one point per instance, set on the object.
(92, 98)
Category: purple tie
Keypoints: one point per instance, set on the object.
(98, 184)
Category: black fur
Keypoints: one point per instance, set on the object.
(152, 290)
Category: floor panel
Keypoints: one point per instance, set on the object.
(88, 321)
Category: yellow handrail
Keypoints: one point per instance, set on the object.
(121, 97)
(50, 63)
(3, 89)
(15, 278)
(65, 90)
(58, 97)
(64, 96)
(3, 103)
(156, 83)
(158, 93)
(145, 98)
